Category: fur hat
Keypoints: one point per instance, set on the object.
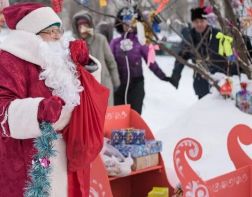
(31, 17)
(198, 13)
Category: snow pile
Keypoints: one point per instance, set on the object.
(175, 114)
(209, 121)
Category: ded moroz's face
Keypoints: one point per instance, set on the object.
(52, 33)
(200, 25)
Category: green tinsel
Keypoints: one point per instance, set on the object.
(39, 183)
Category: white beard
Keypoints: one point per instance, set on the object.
(59, 72)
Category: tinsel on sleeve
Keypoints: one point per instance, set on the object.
(39, 174)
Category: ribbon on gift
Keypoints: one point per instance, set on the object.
(152, 53)
(103, 3)
(225, 44)
(161, 6)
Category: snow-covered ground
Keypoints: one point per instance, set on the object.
(175, 114)
(163, 104)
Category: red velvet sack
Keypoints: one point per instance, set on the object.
(84, 135)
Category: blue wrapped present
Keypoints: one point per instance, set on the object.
(117, 137)
(150, 147)
(128, 136)
(244, 99)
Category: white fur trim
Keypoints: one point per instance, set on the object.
(97, 73)
(16, 44)
(22, 118)
(64, 118)
(59, 172)
(38, 20)
(59, 72)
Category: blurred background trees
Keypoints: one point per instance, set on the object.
(176, 8)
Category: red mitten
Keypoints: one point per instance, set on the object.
(79, 52)
(49, 109)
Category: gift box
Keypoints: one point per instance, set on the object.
(244, 100)
(145, 162)
(159, 192)
(128, 136)
(150, 147)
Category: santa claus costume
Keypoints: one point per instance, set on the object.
(45, 81)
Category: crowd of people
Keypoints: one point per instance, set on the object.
(121, 70)
(39, 82)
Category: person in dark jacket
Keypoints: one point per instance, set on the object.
(128, 53)
(106, 29)
(201, 37)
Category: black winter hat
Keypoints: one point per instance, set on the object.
(198, 13)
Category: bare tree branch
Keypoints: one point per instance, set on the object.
(95, 11)
(239, 44)
(195, 67)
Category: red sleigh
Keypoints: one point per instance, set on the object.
(237, 183)
(138, 183)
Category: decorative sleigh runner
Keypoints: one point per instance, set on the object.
(237, 183)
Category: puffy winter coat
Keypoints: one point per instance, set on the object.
(135, 56)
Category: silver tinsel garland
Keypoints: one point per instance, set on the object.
(39, 174)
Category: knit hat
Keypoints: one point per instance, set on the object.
(31, 17)
(198, 13)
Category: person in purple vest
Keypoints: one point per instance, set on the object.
(128, 54)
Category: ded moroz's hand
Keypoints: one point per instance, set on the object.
(49, 109)
(79, 52)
